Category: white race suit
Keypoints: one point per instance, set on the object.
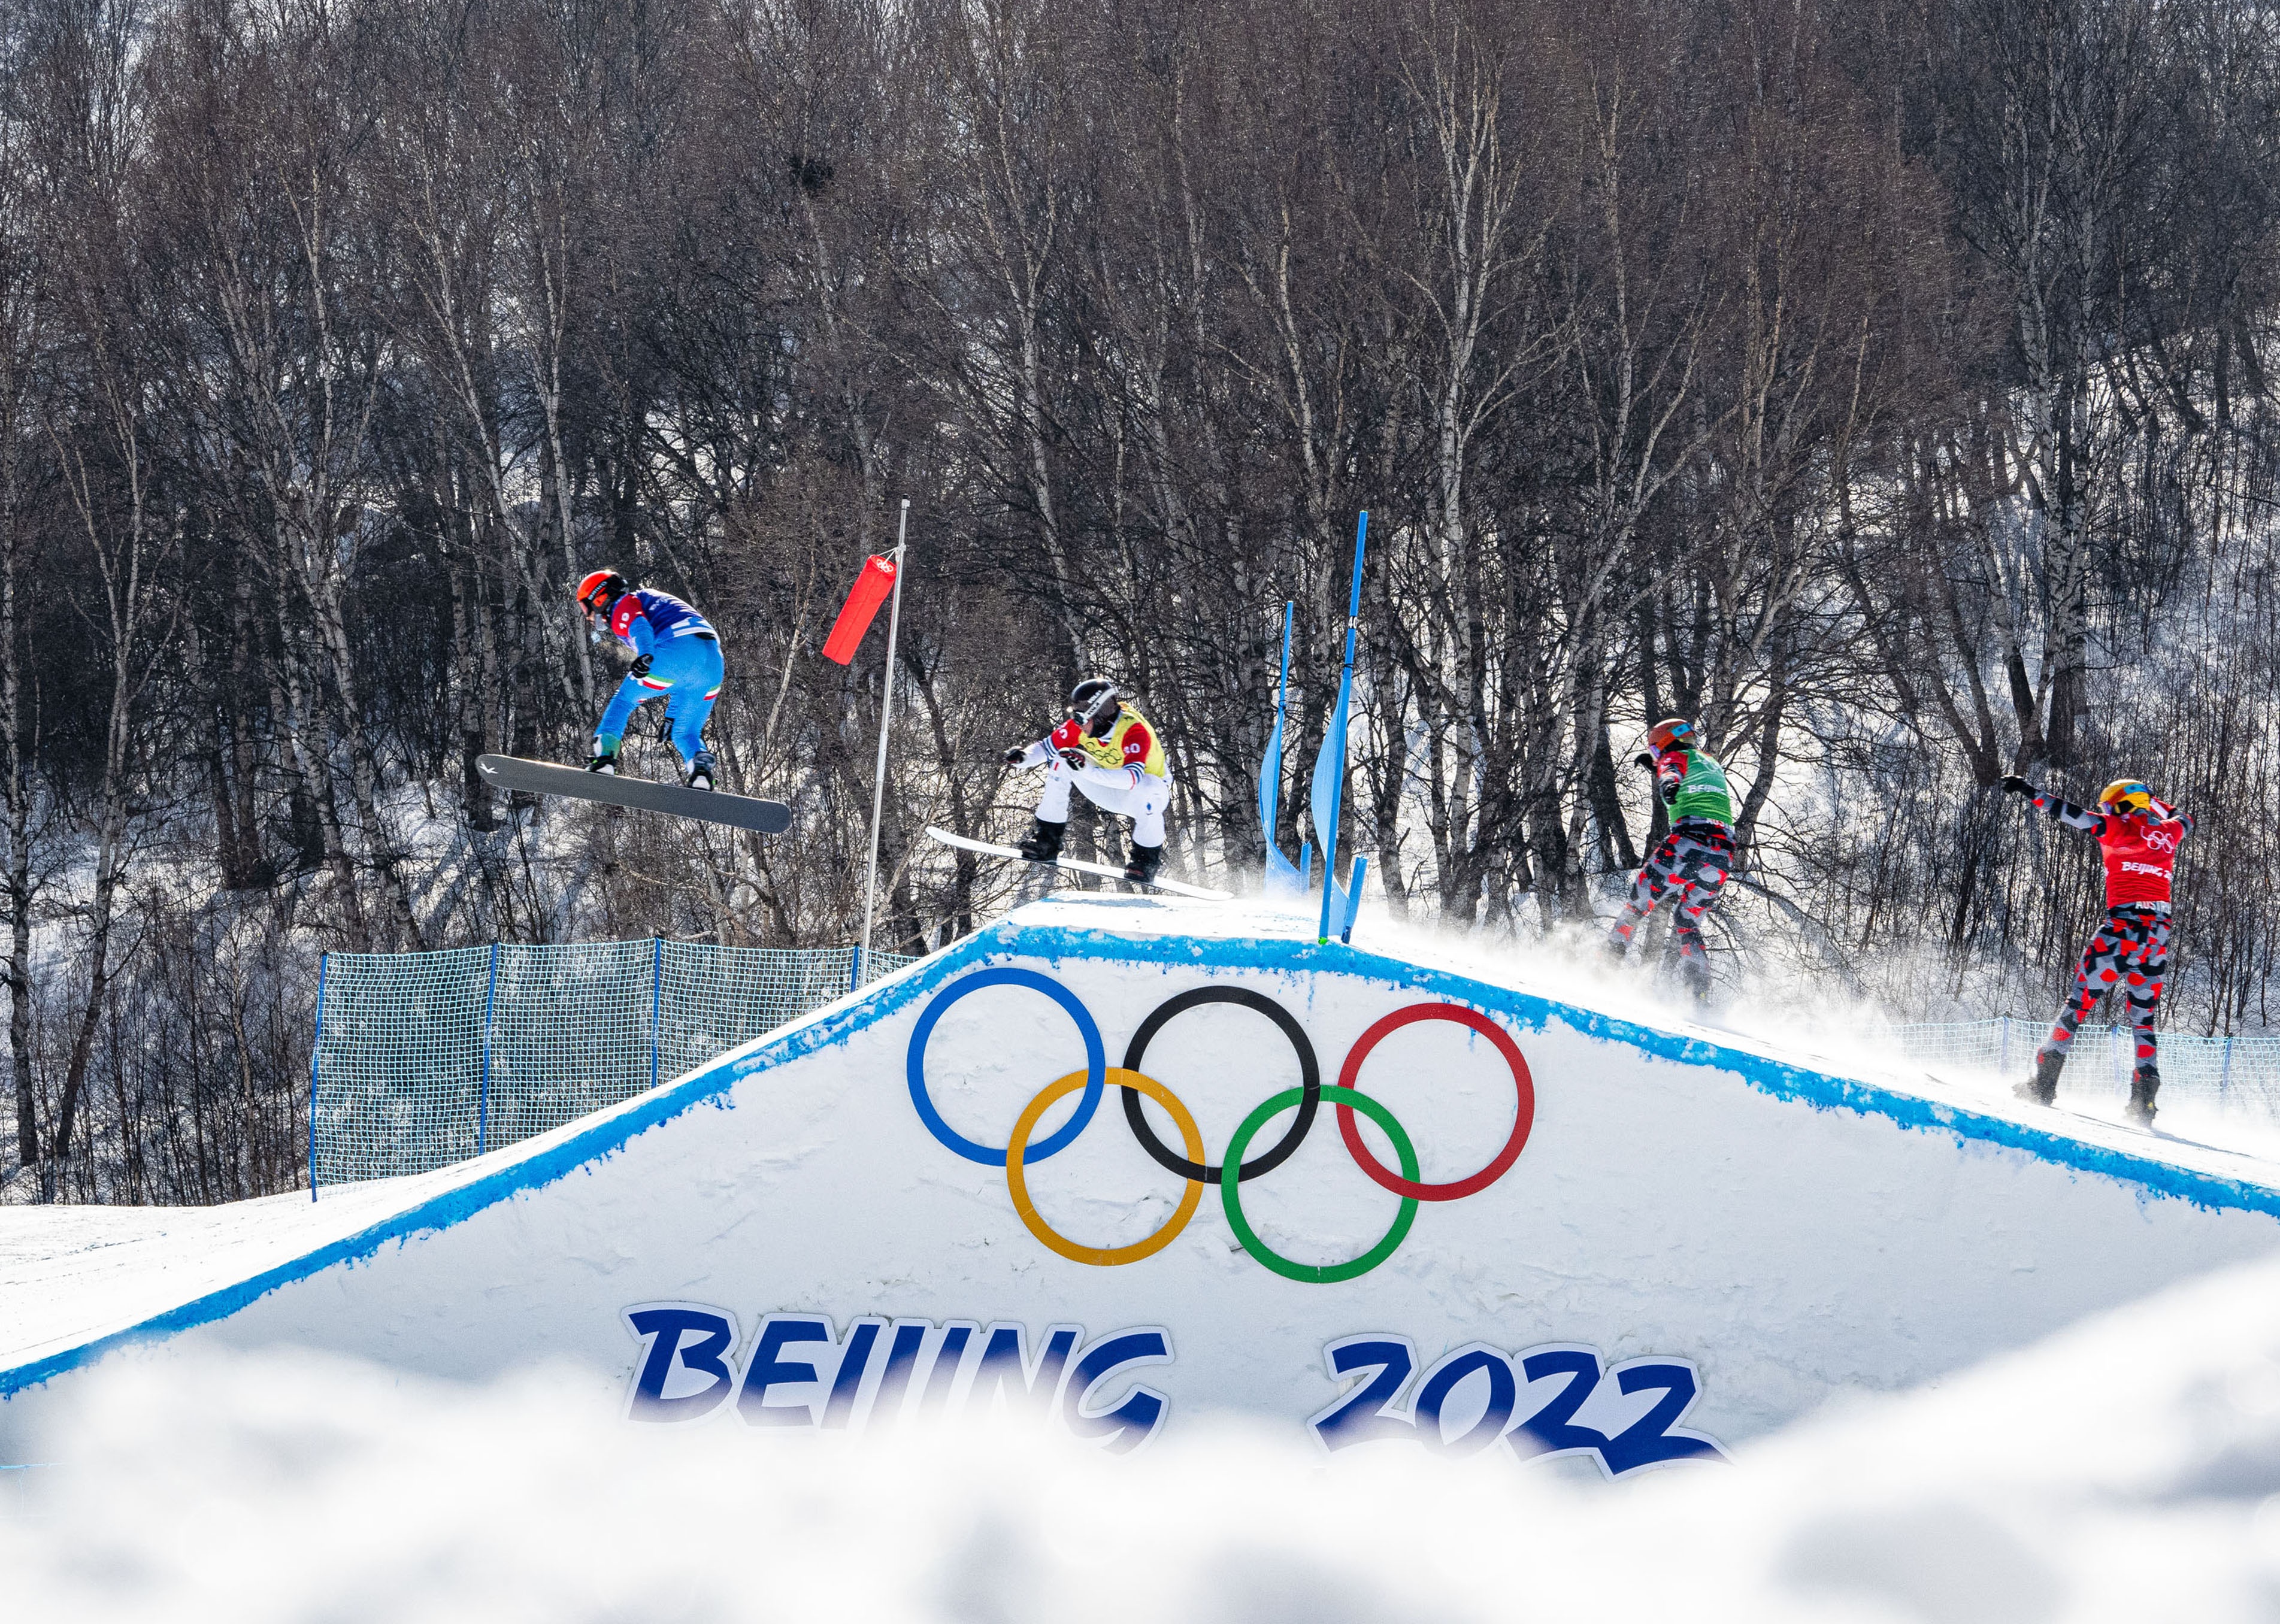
(1126, 790)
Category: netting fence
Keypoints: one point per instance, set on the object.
(423, 1060)
(2237, 1076)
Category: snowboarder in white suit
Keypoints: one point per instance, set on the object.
(1107, 750)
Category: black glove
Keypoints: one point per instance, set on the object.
(1644, 758)
(640, 667)
(1015, 754)
(1074, 759)
(2013, 784)
(1668, 792)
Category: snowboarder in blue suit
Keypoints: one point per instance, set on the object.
(677, 659)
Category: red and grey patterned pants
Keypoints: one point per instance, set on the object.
(2129, 955)
(1691, 865)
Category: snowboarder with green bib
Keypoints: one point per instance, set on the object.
(1694, 859)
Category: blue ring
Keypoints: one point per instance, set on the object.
(1095, 1064)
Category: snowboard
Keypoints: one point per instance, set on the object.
(1102, 869)
(737, 812)
(2126, 1126)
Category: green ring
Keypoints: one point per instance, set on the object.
(1319, 1274)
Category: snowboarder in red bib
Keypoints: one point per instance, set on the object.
(1692, 863)
(2140, 837)
(1107, 750)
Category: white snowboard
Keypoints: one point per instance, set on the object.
(1102, 869)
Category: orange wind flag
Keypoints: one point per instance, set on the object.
(870, 591)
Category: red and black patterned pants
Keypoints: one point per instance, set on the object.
(1691, 865)
(2129, 955)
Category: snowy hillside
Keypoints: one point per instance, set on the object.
(1555, 1228)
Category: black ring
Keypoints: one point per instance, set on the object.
(1310, 1083)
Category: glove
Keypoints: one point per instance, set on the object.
(640, 667)
(1668, 792)
(1644, 758)
(1015, 754)
(1074, 759)
(2013, 784)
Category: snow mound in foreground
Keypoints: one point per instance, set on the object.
(2127, 1470)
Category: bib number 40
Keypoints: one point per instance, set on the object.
(1557, 1399)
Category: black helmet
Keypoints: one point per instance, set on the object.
(1093, 703)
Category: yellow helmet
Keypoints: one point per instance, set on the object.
(2126, 793)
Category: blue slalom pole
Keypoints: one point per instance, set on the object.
(316, 1060)
(483, 1098)
(1334, 747)
(1282, 875)
(1354, 897)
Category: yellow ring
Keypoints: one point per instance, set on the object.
(1103, 1256)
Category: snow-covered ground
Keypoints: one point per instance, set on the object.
(2127, 1470)
(1786, 1210)
(1670, 1167)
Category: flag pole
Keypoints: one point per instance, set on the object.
(886, 714)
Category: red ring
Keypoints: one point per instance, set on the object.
(1523, 1113)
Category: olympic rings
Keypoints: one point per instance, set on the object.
(1104, 1257)
(1310, 1082)
(1523, 1116)
(1344, 1099)
(1306, 1100)
(1096, 1062)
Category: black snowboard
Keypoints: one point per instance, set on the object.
(545, 778)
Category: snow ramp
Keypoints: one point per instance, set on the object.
(1461, 1215)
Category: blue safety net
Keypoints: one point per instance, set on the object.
(2239, 1076)
(423, 1060)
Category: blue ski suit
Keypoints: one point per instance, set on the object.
(684, 669)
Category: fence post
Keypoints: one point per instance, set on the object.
(483, 1099)
(316, 1056)
(2224, 1077)
(2004, 1063)
(656, 1000)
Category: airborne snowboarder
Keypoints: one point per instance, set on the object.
(2138, 837)
(1106, 749)
(677, 659)
(1694, 859)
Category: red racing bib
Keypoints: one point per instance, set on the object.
(2140, 852)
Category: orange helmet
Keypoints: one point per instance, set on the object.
(2126, 795)
(599, 590)
(1670, 731)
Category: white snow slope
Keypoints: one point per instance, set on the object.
(2126, 1472)
(1685, 1240)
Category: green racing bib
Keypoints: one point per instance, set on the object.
(1704, 793)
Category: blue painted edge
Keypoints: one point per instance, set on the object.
(1055, 943)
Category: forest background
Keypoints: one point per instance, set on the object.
(1887, 383)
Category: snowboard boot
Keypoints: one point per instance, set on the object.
(603, 761)
(1141, 867)
(1044, 844)
(700, 771)
(2043, 1088)
(1616, 951)
(2144, 1084)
